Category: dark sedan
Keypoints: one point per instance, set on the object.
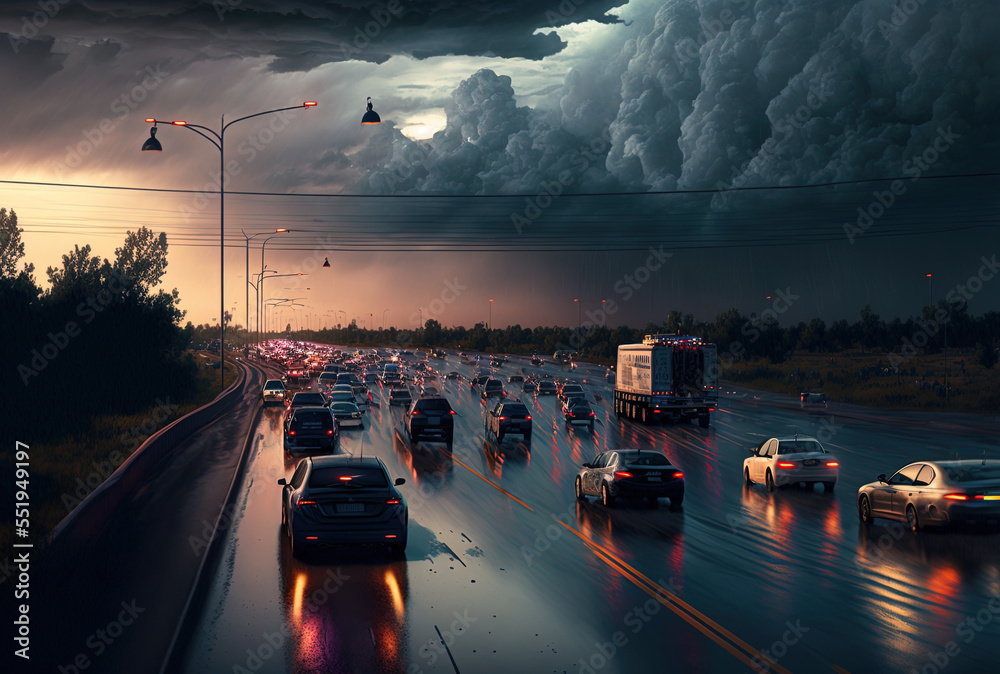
(546, 388)
(936, 493)
(342, 500)
(630, 473)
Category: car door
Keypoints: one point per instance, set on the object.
(608, 471)
(762, 460)
(592, 482)
(886, 498)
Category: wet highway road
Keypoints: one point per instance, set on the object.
(507, 569)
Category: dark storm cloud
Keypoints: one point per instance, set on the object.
(303, 35)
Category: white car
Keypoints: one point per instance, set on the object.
(347, 414)
(778, 462)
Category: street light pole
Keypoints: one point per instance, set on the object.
(384, 311)
(261, 287)
(930, 290)
(216, 138)
(579, 305)
(489, 325)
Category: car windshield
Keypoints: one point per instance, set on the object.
(348, 476)
(971, 473)
(645, 459)
(274, 386)
(579, 405)
(308, 399)
(799, 446)
(346, 408)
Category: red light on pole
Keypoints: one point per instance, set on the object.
(180, 122)
(309, 104)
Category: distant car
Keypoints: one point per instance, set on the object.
(371, 377)
(630, 473)
(509, 418)
(347, 414)
(273, 391)
(495, 362)
(578, 411)
(571, 390)
(400, 396)
(492, 388)
(537, 360)
(529, 385)
(479, 380)
(310, 428)
(343, 500)
(297, 376)
(352, 380)
(779, 462)
(437, 353)
(807, 399)
(515, 378)
(327, 379)
(453, 375)
(546, 388)
(430, 417)
(342, 397)
(306, 399)
(939, 493)
(342, 388)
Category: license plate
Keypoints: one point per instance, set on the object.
(350, 507)
(652, 478)
(653, 472)
(433, 421)
(811, 462)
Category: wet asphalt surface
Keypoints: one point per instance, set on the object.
(509, 571)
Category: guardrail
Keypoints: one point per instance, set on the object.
(94, 512)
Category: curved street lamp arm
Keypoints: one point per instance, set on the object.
(266, 112)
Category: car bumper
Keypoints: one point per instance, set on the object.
(350, 422)
(357, 534)
(792, 475)
(580, 422)
(324, 442)
(647, 489)
(970, 512)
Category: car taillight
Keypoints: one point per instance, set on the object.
(330, 432)
(786, 464)
(292, 432)
(832, 464)
(302, 503)
(957, 497)
(344, 478)
(620, 474)
(987, 497)
(503, 418)
(415, 412)
(528, 418)
(678, 475)
(393, 501)
(591, 414)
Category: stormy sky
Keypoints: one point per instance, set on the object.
(641, 157)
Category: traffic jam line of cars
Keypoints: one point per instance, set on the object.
(363, 506)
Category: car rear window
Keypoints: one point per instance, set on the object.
(515, 410)
(312, 419)
(307, 399)
(344, 407)
(646, 459)
(434, 404)
(799, 447)
(274, 386)
(971, 473)
(348, 476)
(493, 384)
(580, 405)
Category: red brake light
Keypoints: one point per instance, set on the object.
(451, 411)
(528, 418)
(330, 432)
(292, 432)
(786, 464)
(312, 538)
(591, 414)
(832, 464)
(415, 412)
(390, 535)
(503, 418)
(345, 478)
(302, 503)
(678, 475)
(392, 501)
(619, 474)
(956, 497)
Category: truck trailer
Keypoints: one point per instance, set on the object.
(667, 378)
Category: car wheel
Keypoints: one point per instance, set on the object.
(746, 476)
(676, 502)
(828, 486)
(865, 510)
(607, 500)
(769, 480)
(579, 490)
(911, 519)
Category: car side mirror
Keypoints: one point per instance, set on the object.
(399, 481)
(881, 477)
(282, 482)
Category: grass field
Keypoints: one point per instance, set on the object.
(868, 379)
(64, 472)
